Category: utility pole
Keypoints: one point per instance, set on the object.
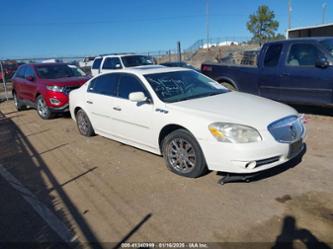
(207, 22)
(4, 79)
(324, 12)
(179, 51)
(290, 9)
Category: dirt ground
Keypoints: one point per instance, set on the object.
(105, 191)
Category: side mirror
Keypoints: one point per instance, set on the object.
(137, 97)
(322, 62)
(30, 78)
(117, 66)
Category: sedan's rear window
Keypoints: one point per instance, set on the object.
(55, 71)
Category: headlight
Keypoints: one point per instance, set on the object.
(234, 133)
(56, 88)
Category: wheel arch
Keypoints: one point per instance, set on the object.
(37, 95)
(167, 129)
(228, 80)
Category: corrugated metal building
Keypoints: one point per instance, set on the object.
(319, 30)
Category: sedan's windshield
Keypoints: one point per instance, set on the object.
(137, 60)
(328, 44)
(183, 85)
(56, 71)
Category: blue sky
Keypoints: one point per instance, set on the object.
(47, 28)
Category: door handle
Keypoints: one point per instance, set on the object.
(90, 102)
(117, 109)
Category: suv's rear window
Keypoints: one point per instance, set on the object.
(137, 60)
(54, 71)
(97, 63)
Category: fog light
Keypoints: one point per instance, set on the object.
(54, 101)
(251, 165)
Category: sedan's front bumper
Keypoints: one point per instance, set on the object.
(248, 158)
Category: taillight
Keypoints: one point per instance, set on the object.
(207, 68)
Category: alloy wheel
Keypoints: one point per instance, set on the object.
(42, 108)
(83, 123)
(181, 155)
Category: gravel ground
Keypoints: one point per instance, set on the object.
(105, 191)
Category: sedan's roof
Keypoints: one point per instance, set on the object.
(153, 69)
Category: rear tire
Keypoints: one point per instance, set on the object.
(83, 124)
(42, 109)
(183, 155)
(18, 103)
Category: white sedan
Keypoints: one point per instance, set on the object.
(194, 122)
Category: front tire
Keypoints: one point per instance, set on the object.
(83, 124)
(42, 109)
(183, 154)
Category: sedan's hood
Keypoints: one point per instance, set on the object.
(236, 107)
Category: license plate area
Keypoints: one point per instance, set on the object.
(295, 148)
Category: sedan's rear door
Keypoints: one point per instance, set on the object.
(100, 99)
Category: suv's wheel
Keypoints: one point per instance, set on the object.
(18, 104)
(83, 124)
(183, 154)
(42, 109)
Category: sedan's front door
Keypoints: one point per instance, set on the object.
(134, 121)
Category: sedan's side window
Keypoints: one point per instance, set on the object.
(129, 84)
(105, 84)
(303, 55)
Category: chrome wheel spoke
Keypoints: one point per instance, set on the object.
(181, 155)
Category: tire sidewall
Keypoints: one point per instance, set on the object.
(49, 113)
(90, 131)
(18, 104)
(200, 166)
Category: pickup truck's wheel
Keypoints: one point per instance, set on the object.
(83, 124)
(183, 154)
(42, 109)
(228, 86)
(18, 104)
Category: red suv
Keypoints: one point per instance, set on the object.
(46, 87)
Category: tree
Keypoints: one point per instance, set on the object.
(262, 24)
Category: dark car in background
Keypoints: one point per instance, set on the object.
(296, 71)
(46, 87)
(179, 64)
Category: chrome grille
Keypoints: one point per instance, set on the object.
(287, 130)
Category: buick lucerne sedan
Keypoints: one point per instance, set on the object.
(193, 121)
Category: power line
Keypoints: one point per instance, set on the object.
(114, 21)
